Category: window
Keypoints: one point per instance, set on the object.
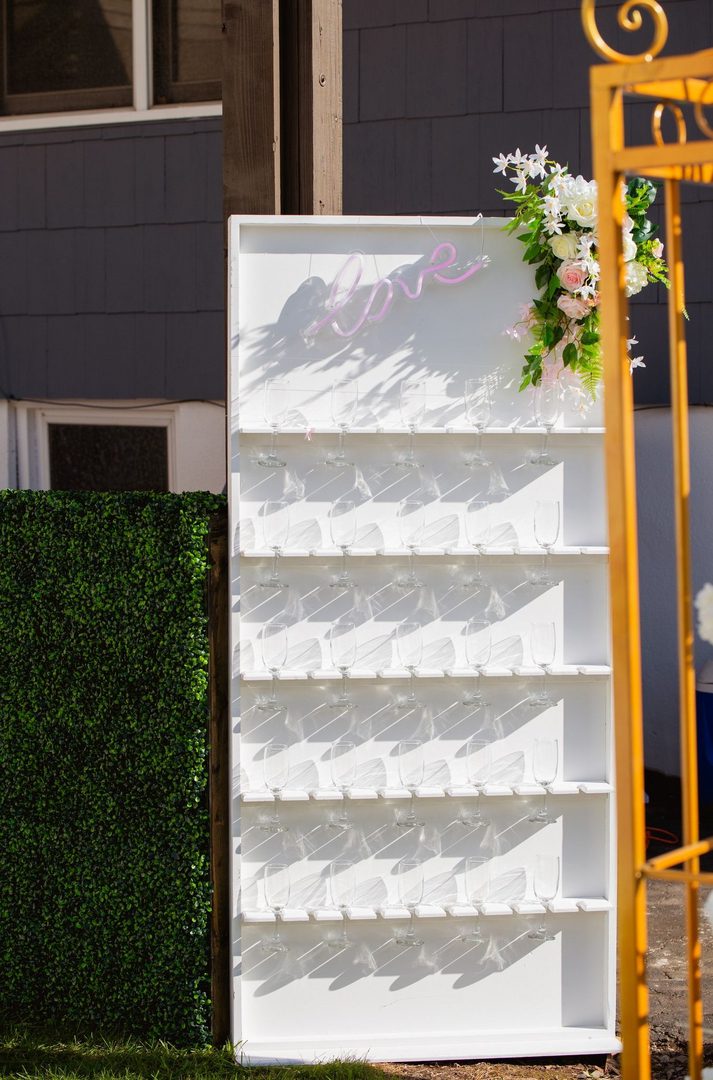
(70, 55)
(108, 457)
(187, 47)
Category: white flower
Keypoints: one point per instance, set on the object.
(704, 607)
(630, 248)
(565, 246)
(580, 201)
(538, 162)
(501, 163)
(552, 205)
(636, 277)
(631, 342)
(520, 180)
(634, 362)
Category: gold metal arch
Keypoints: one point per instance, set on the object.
(678, 86)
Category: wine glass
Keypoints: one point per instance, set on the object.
(273, 638)
(477, 531)
(411, 770)
(276, 881)
(546, 409)
(476, 880)
(543, 644)
(410, 879)
(478, 650)
(343, 650)
(478, 763)
(276, 528)
(409, 649)
(547, 530)
(343, 765)
(412, 520)
(276, 772)
(545, 756)
(478, 409)
(342, 526)
(342, 888)
(345, 398)
(413, 410)
(277, 405)
(545, 885)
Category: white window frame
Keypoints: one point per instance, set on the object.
(142, 80)
(33, 421)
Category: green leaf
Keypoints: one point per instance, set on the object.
(589, 337)
(541, 276)
(569, 355)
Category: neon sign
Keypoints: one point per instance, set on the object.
(380, 298)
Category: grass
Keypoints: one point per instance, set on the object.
(30, 1055)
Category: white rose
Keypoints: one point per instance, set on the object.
(630, 249)
(636, 277)
(580, 202)
(565, 246)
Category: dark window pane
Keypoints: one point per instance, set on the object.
(187, 50)
(66, 54)
(94, 457)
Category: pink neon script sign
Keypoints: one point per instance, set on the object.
(380, 299)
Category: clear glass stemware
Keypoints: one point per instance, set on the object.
(410, 878)
(342, 527)
(478, 650)
(273, 639)
(545, 885)
(342, 889)
(478, 409)
(409, 650)
(478, 764)
(276, 528)
(547, 529)
(412, 521)
(413, 410)
(477, 531)
(343, 765)
(277, 407)
(543, 645)
(546, 408)
(411, 772)
(545, 759)
(276, 773)
(476, 881)
(343, 652)
(345, 398)
(276, 881)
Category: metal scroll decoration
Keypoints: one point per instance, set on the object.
(629, 18)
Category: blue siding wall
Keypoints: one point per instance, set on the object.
(111, 262)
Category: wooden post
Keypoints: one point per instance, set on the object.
(219, 775)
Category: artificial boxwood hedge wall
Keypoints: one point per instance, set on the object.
(104, 873)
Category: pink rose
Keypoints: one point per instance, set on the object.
(657, 249)
(573, 307)
(572, 275)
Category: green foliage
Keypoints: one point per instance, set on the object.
(104, 879)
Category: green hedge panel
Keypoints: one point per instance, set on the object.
(104, 873)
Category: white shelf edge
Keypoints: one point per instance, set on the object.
(562, 671)
(573, 551)
(446, 910)
(524, 790)
(449, 429)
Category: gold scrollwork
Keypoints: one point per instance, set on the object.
(629, 18)
(679, 118)
(702, 121)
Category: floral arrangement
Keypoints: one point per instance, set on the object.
(556, 220)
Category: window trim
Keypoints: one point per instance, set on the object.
(33, 434)
(143, 108)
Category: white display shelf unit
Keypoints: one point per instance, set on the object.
(443, 1000)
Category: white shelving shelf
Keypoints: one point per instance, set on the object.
(561, 906)
(556, 671)
(464, 791)
(446, 999)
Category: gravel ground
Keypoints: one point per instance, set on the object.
(666, 978)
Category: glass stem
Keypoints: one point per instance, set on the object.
(412, 686)
(412, 809)
(273, 688)
(344, 686)
(544, 805)
(273, 442)
(276, 931)
(275, 557)
(276, 820)
(410, 444)
(478, 445)
(544, 684)
(411, 558)
(345, 939)
(344, 564)
(412, 925)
